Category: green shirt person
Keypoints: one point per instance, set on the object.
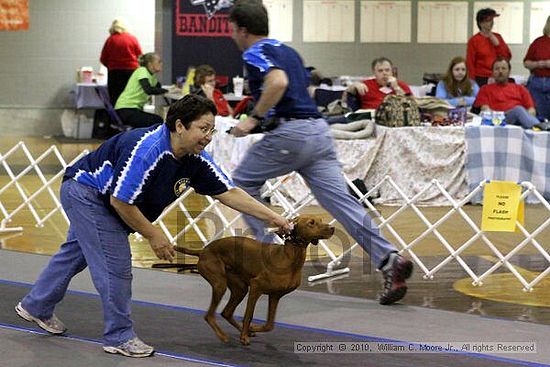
(142, 84)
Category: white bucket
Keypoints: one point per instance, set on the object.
(76, 126)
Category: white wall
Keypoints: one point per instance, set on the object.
(39, 65)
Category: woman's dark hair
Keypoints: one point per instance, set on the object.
(483, 14)
(201, 72)
(457, 88)
(189, 109)
(145, 59)
(252, 15)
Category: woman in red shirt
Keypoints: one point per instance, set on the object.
(205, 85)
(484, 47)
(120, 55)
(537, 60)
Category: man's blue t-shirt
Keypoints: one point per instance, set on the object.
(138, 167)
(267, 54)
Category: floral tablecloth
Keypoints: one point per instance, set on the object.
(411, 156)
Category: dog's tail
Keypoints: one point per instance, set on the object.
(188, 251)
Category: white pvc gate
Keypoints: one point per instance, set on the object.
(230, 219)
(28, 198)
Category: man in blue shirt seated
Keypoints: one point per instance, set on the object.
(301, 142)
(120, 188)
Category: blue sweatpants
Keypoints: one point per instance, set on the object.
(98, 240)
(306, 146)
(519, 116)
(539, 87)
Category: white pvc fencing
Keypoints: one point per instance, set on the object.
(228, 222)
(30, 196)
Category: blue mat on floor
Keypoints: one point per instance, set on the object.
(183, 332)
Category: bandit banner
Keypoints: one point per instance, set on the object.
(202, 35)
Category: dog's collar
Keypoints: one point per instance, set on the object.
(295, 239)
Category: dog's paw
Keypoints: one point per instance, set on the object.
(223, 337)
(245, 340)
(256, 328)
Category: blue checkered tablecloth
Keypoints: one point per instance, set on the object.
(509, 154)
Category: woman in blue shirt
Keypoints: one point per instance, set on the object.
(122, 187)
(455, 87)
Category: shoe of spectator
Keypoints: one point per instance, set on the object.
(52, 325)
(395, 272)
(132, 348)
(543, 126)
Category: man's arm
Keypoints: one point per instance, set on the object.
(540, 64)
(502, 48)
(150, 90)
(357, 88)
(134, 218)
(394, 84)
(274, 87)
(239, 200)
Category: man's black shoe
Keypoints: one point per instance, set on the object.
(395, 272)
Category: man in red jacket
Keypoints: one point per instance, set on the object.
(514, 99)
(484, 47)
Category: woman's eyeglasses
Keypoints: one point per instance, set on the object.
(208, 130)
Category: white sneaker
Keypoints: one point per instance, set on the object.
(52, 325)
(132, 348)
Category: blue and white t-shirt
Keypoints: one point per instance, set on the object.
(267, 54)
(139, 168)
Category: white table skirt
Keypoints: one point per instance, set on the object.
(412, 156)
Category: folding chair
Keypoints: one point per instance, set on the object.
(116, 122)
(354, 102)
(323, 97)
(222, 83)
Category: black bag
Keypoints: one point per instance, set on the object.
(360, 184)
(102, 125)
(431, 78)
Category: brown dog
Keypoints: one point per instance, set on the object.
(244, 264)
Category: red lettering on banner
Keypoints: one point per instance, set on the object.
(198, 25)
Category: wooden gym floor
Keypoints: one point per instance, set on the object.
(451, 289)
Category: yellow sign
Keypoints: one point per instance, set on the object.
(501, 206)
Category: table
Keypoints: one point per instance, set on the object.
(412, 156)
(458, 157)
(85, 95)
(509, 153)
(230, 97)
